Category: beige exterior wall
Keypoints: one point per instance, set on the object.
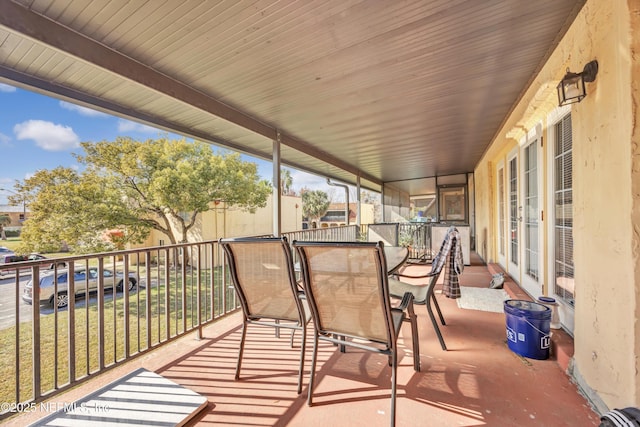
(606, 193)
(222, 221)
(16, 215)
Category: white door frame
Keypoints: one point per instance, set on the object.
(501, 213)
(514, 215)
(531, 268)
(565, 311)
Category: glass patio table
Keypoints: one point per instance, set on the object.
(396, 256)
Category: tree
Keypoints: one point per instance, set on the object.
(4, 221)
(136, 186)
(315, 204)
(286, 181)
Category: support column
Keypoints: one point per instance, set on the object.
(277, 196)
(359, 201)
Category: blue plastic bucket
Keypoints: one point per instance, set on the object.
(528, 326)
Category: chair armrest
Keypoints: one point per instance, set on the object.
(407, 302)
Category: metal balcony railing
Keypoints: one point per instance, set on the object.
(133, 301)
(416, 236)
(100, 310)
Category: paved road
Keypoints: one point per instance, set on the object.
(8, 304)
(7, 301)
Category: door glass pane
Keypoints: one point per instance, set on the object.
(531, 210)
(564, 286)
(513, 210)
(501, 206)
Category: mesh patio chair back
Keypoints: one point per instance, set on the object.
(264, 279)
(347, 289)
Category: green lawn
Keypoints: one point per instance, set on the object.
(13, 243)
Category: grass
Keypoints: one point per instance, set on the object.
(155, 326)
(13, 243)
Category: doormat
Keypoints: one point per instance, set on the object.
(483, 299)
(141, 398)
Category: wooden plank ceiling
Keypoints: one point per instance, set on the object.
(388, 90)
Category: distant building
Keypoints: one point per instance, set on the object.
(225, 221)
(18, 215)
(335, 216)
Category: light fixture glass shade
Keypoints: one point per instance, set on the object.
(571, 89)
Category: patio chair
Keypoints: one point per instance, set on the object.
(348, 294)
(264, 279)
(424, 294)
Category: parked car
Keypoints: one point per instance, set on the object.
(20, 258)
(5, 253)
(85, 279)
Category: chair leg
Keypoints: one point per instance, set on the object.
(394, 368)
(313, 369)
(435, 325)
(435, 302)
(277, 329)
(416, 342)
(241, 351)
(302, 349)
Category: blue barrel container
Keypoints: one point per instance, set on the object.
(528, 328)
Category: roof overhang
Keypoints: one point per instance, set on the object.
(384, 91)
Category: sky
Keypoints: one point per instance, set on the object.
(40, 132)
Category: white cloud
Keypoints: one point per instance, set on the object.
(84, 111)
(4, 139)
(129, 126)
(47, 135)
(6, 88)
(303, 179)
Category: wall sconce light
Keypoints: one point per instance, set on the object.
(571, 87)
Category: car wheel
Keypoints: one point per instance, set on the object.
(132, 284)
(61, 300)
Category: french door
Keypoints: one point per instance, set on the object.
(531, 215)
(514, 216)
(519, 214)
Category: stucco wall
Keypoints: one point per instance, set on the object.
(605, 193)
(634, 15)
(222, 221)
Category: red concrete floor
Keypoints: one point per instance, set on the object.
(479, 381)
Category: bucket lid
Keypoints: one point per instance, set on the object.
(526, 308)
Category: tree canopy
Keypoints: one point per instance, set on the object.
(135, 186)
(286, 181)
(315, 204)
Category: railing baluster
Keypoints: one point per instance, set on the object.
(71, 326)
(125, 306)
(101, 348)
(17, 342)
(36, 334)
(183, 274)
(167, 293)
(199, 296)
(148, 301)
